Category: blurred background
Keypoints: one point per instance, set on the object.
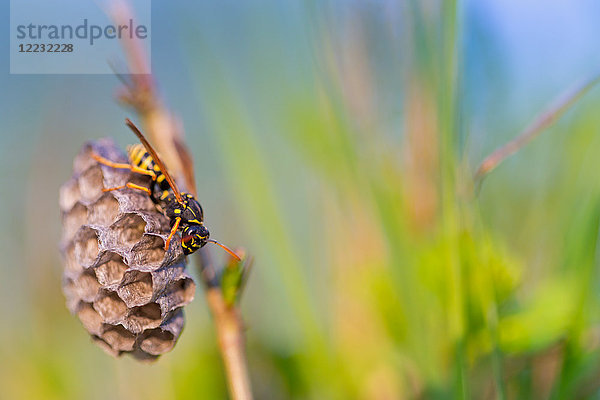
(336, 140)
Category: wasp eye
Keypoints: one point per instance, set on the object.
(196, 235)
(202, 232)
(187, 243)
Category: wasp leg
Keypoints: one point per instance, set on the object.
(130, 167)
(173, 230)
(129, 185)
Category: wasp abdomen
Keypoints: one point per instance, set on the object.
(139, 157)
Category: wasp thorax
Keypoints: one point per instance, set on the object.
(190, 211)
(126, 290)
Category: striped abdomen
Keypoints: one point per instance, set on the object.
(139, 157)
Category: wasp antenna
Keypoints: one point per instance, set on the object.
(227, 249)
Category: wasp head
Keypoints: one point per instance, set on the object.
(193, 237)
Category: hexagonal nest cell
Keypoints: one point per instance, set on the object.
(136, 289)
(86, 244)
(104, 211)
(111, 308)
(126, 290)
(87, 286)
(144, 317)
(90, 183)
(77, 216)
(130, 229)
(149, 250)
(111, 271)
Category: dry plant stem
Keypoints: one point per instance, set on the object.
(140, 93)
(231, 343)
(230, 330)
(541, 122)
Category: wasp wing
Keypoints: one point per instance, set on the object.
(156, 159)
(188, 166)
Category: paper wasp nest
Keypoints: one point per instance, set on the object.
(126, 290)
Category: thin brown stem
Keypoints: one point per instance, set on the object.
(544, 120)
(166, 135)
(230, 332)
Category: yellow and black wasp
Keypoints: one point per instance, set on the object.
(183, 210)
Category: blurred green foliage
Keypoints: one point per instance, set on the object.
(336, 143)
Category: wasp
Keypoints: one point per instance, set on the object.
(182, 209)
